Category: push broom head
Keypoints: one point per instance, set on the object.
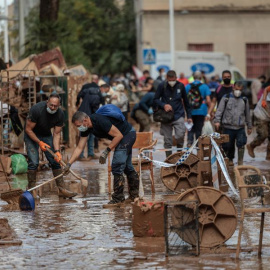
(12, 196)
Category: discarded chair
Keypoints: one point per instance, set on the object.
(250, 184)
(144, 141)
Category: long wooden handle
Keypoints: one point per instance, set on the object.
(84, 181)
(46, 182)
(5, 173)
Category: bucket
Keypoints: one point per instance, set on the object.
(27, 201)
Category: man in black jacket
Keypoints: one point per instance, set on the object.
(91, 99)
(171, 96)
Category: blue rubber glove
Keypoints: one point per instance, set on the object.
(150, 111)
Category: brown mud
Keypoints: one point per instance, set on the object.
(80, 234)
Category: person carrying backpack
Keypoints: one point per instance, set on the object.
(199, 99)
(233, 113)
(122, 136)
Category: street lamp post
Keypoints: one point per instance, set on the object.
(172, 40)
(6, 50)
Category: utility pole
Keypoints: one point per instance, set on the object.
(6, 48)
(21, 28)
(172, 42)
(139, 30)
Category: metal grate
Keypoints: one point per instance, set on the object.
(258, 59)
(208, 47)
(181, 228)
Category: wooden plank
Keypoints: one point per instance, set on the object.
(6, 163)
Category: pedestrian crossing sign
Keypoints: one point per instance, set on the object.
(149, 56)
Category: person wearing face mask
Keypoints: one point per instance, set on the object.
(122, 136)
(88, 101)
(262, 124)
(222, 89)
(172, 96)
(200, 114)
(233, 113)
(42, 117)
(162, 75)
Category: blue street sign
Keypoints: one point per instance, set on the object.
(149, 56)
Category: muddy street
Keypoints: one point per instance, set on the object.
(80, 234)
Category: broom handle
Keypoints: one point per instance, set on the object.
(84, 181)
(5, 173)
(46, 182)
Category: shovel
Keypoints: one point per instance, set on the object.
(83, 181)
(27, 200)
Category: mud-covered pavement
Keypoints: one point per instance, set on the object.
(80, 234)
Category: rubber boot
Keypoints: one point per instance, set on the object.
(63, 192)
(250, 149)
(133, 186)
(118, 195)
(32, 181)
(179, 145)
(168, 153)
(241, 152)
(268, 151)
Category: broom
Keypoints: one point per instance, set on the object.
(11, 196)
(83, 181)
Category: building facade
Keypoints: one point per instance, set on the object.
(238, 28)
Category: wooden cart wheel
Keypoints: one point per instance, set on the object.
(181, 177)
(217, 216)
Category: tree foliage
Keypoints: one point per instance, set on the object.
(96, 33)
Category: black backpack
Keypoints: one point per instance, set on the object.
(194, 96)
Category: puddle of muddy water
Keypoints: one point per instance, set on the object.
(80, 234)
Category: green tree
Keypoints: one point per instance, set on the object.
(96, 33)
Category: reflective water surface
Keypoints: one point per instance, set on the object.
(80, 234)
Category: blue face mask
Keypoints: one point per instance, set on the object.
(82, 128)
(50, 111)
(104, 94)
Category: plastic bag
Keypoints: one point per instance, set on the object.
(18, 164)
(262, 113)
(207, 128)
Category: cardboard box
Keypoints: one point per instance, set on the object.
(148, 219)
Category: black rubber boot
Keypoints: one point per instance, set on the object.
(63, 192)
(118, 195)
(32, 181)
(241, 152)
(32, 178)
(168, 153)
(133, 186)
(179, 145)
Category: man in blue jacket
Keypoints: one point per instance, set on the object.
(143, 110)
(171, 96)
(199, 114)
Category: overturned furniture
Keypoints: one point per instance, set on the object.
(193, 178)
(250, 184)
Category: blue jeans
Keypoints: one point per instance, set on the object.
(122, 158)
(90, 146)
(235, 135)
(33, 155)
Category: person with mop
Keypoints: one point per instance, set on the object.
(42, 117)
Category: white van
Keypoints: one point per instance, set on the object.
(211, 63)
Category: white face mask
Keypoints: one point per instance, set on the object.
(237, 93)
(82, 128)
(172, 83)
(51, 111)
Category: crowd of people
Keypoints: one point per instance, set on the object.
(186, 104)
